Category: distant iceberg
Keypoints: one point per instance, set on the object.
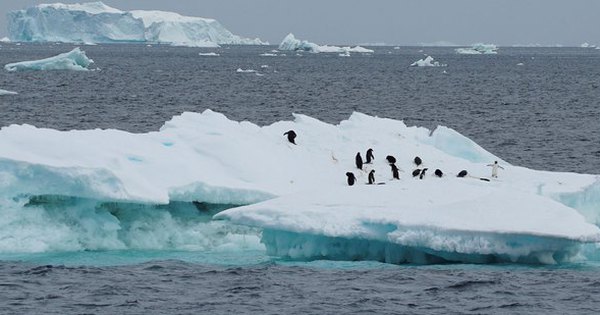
(4, 40)
(427, 62)
(96, 22)
(478, 49)
(587, 45)
(75, 60)
(295, 194)
(291, 43)
(6, 92)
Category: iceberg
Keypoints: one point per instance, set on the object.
(75, 60)
(291, 43)
(95, 22)
(4, 40)
(111, 189)
(477, 49)
(427, 62)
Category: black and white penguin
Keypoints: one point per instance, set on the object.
(416, 172)
(372, 177)
(422, 173)
(462, 173)
(370, 156)
(438, 173)
(395, 173)
(390, 159)
(359, 161)
(351, 178)
(418, 161)
(291, 135)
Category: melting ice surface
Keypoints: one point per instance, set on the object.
(75, 60)
(114, 190)
(95, 22)
(477, 49)
(291, 43)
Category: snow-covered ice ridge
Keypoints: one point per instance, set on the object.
(291, 43)
(75, 60)
(477, 49)
(296, 194)
(95, 22)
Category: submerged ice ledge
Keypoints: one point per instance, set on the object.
(205, 157)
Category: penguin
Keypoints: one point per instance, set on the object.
(418, 161)
(291, 136)
(462, 173)
(359, 161)
(351, 178)
(416, 172)
(372, 177)
(370, 156)
(422, 173)
(390, 159)
(438, 173)
(395, 173)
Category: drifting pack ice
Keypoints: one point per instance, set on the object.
(291, 43)
(75, 60)
(95, 22)
(478, 49)
(108, 189)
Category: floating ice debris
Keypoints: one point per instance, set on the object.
(268, 55)
(520, 64)
(346, 54)
(214, 54)
(291, 43)
(397, 47)
(477, 49)
(264, 66)
(240, 70)
(96, 22)
(6, 92)
(4, 40)
(74, 60)
(427, 62)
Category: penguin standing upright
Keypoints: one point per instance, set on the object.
(395, 173)
(372, 177)
(351, 178)
(422, 173)
(370, 156)
(418, 161)
(359, 161)
(291, 136)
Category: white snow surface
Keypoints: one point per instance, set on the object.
(75, 60)
(427, 62)
(302, 188)
(477, 49)
(291, 43)
(95, 22)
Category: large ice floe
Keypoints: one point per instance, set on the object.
(110, 189)
(291, 43)
(477, 49)
(75, 60)
(95, 22)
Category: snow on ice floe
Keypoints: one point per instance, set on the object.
(6, 92)
(427, 62)
(297, 194)
(477, 49)
(95, 22)
(75, 60)
(291, 43)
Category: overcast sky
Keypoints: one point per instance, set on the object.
(507, 22)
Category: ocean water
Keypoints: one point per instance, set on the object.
(543, 114)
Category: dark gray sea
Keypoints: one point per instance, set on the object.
(534, 107)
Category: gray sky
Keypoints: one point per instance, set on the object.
(507, 22)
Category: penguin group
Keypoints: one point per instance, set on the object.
(391, 160)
